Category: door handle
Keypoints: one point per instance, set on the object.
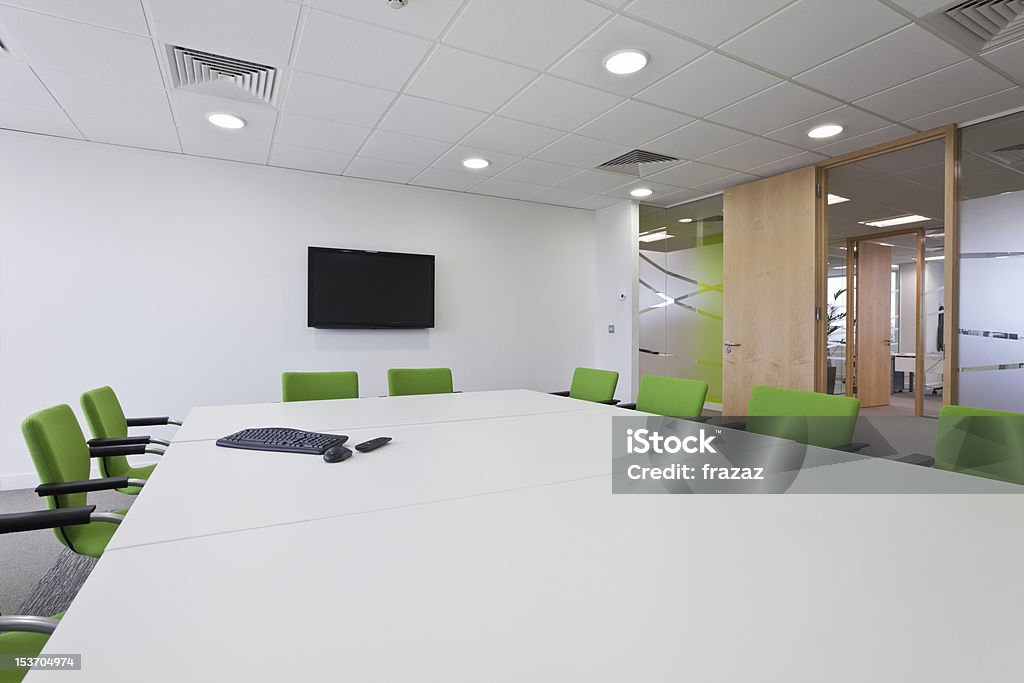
(729, 346)
(887, 342)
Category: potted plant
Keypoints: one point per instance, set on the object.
(835, 318)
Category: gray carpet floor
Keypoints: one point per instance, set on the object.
(39, 575)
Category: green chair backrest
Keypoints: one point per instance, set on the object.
(783, 412)
(415, 381)
(671, 396)
(984, 443)
(590, 384)
(318, 386)
(60, 454)
(106, 420)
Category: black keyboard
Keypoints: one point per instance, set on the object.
(282, 439)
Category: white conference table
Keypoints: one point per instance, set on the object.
(489, 547)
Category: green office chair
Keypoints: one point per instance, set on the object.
(61, 457)
(109, 429)
(983, 443)
(25, 636)
(416, 381)
(318, 386)
(670, 396)
(783, 413)
(589, 384)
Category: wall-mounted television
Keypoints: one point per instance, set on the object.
(355, 289)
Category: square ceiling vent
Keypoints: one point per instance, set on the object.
(222, 76)
(981, 25)
(638, 163)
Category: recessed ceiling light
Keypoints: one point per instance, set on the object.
(827, 131)
(935, 258)
(836, 199)
(685, 220)
(641, 192)
(475, 163)
(222, 120)
(625, 62)
(897, 220)
(655, 236)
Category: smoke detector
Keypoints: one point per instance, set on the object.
(397, 4)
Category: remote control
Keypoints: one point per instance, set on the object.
(367, 446)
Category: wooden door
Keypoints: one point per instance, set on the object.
(768, 286)
(874, 324)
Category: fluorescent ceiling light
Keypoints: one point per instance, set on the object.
(1003, 256)
(655, 236)
(935, 258)
(898, 220)
(838, 267)
(641, 192)
(836, 199)
(885, 244)
(625, 62)
(685, 220)
(826, 131)
(475, 163)
(222, 120)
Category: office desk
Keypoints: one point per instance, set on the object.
(568, 583)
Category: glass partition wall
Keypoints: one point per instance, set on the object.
(681, 293)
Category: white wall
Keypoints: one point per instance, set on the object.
(180, 281)
(617, 229)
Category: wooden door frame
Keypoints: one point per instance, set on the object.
(950, 137)
(852, 304)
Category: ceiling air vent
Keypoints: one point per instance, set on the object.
(1009, 156)
(981, 25)
(222, 76)
(637, 163)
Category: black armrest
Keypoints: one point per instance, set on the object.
(741, 426)
(83, 486)
(609, 402)
(120, 441)
(916, 459)
(628, 406)
(699, 418)
(45, 519)
(852, 447)
(139, 449)
(559, 393)
(150, 421)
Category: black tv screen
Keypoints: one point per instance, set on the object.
(370, 289)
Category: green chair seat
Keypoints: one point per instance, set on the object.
(419, 381)
(18, 644)
(783, 413)
(106, 420)
(980, 442)
(671, 396)
(143, 472)
(591, 384)
(318, 386)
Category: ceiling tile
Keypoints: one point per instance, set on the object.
(535, 171)
(155, 131)
(554, 195)
(406, 149)
(723, 183)
(969, 111)
(306, 159)
(468, 80)
(749, 154)
(707, 84)
(426, 19)
(596, 202)
(429, 119)
(213, 144)
(79, 93)
(696, 140)
(36, 120)
(585, 63)
(893, 59)
(708, 22)
(254, 31)
(446, 180)
(576, 150)
(191, 109)
(864, 141)
(691, 174)
(953, 85)
(452, 161)
(923, 7)
(595, 182)
(123, 15)
(779, 106)
(810, 32)
(510, 189)
(1009, 58)
(326, 98)
(378, 169)
(677, 197)
(19, 85)
(557, 103)
(511, 136)
(854, 122)
(788, 164)
(533, 33)
(633, 123)
(328, 136)
(70, 46)
(357, 52)
(660, 190)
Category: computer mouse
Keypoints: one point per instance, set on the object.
(337, 454)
